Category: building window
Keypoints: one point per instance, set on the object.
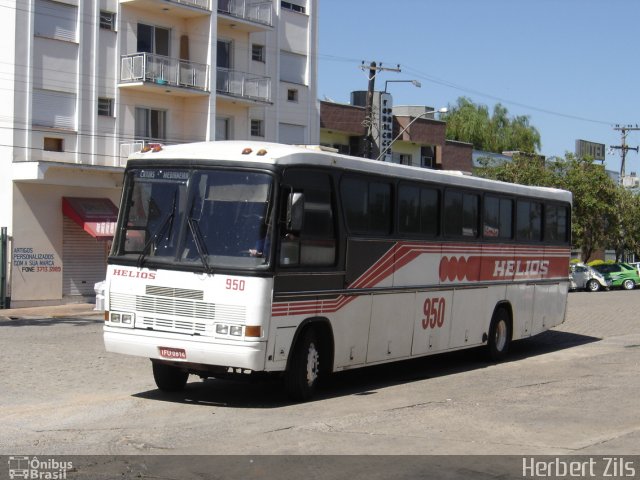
(223, 128)
(257, 53)
(405, 159)
(105, 107)
(291, 134)
(293, 6)
(427, 162)
(53, 144)
(257, 128)
(151, 124)
(107, 20)
(54, 109)
(153, 39)
(292, 95)
(293, 67)
(56, 20)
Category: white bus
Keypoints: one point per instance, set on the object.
(243, 257)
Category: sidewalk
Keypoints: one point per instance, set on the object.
(54, 311)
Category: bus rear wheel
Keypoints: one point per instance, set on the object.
(169, 378)
(302, 374)
(499, 335)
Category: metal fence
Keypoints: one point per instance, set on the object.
(148, 67)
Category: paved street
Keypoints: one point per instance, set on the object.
(573, 390)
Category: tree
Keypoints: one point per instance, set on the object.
(522, 169)
(625, 233)
(471, 123)
(595, 197)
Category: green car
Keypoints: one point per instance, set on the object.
(621, 275)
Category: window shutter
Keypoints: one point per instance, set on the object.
(54, 109)
(293, 68)
(56, 20)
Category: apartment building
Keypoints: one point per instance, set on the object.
(84, 83)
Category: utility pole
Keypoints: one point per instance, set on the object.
(374, 68)
(624, 148)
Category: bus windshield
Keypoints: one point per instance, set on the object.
(209, 218)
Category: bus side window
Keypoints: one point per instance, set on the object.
(315, 241)
(461, 213)
(529, 221)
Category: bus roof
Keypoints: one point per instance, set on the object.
(280, 154)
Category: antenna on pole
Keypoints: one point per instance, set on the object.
(374, 68)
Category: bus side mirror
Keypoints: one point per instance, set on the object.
(295, 211)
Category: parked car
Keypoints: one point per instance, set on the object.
(583, 277)
(621, 275)
(636, 265)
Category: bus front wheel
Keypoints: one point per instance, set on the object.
(302, 374)
(499, 335)
(169, 378)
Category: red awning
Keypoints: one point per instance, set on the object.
(97, 216)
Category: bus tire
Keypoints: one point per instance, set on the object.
(169, 378)
(302, 374)
(499, 335)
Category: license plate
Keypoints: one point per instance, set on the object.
(173, 353)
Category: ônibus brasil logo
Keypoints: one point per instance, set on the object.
(23, 467)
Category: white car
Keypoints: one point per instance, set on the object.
(583, 277)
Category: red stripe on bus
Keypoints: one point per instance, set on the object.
(458, 262)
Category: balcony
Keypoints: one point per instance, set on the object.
(243, 86)
(135, 146)
(160, 74)
(246, 15)
(178, 8)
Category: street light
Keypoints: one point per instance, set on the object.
(415, 83)
(440, 110)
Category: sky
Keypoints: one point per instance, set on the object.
(571, 66)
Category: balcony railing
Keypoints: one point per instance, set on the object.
(173, 72)
(243, 85)
(204, 4)
(258, 12)
(134, 146)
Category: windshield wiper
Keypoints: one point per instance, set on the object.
(167, 225)
(200, 244)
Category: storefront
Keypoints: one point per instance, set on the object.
(63, 223)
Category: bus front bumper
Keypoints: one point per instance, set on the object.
(245, 355)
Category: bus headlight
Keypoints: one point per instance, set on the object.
(122, 319)
(222, 329)
(250, 331)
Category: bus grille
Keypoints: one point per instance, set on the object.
(171, 314)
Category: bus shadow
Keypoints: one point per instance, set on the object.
(261, 391)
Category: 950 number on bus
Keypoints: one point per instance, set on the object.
(434, 311)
